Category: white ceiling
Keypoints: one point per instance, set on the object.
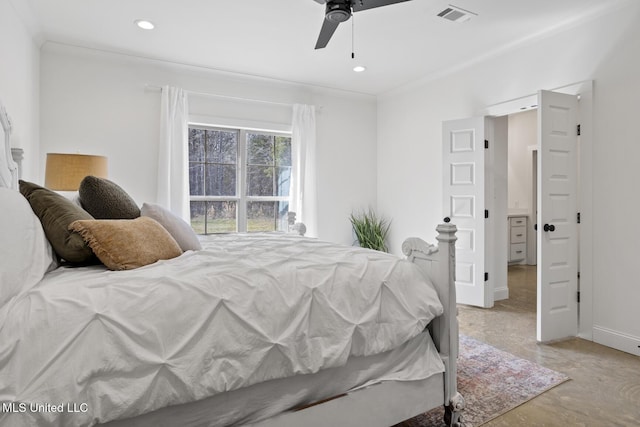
(398, 44)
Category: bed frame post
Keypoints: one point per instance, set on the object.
(447, 325)
(18, 156)
(439, 265)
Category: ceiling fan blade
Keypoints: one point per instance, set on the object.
(359, 5)
(327, 30)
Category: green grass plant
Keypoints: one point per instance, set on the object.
(370, 230)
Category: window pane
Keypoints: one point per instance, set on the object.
(283, 151)
(196, 145)
(259, 149)
(221, 180)
(213, 217)
(283, 181)
(222, 146)
(260, 181)
(267, 216)
(221, 217)
(196, 179)
(197, 217)
(214, 169)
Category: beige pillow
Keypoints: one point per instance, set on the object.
(125, 244)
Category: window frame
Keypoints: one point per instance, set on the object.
(241, 198)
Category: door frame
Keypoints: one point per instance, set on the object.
(584, 90)
(532, 180)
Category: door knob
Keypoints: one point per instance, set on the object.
(549, 227)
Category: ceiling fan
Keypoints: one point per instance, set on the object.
(338, 11)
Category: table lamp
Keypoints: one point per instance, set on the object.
(64, 172)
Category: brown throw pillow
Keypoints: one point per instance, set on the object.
(123, 244)
(56, 213)
(105, 199)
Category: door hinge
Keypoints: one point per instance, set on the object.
(486, 213)
(578, 217)
(578, 130)
(486, 277)
(486, 143)
(578, 296)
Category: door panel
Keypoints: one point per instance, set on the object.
(557, 235)
(464, 202)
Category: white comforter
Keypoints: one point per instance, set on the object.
(104, 345)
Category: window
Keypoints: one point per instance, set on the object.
(238, 180)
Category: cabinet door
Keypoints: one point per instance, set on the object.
(519, 234)
(517, 251)
(518, 221)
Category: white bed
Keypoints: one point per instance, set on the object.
(354, 337)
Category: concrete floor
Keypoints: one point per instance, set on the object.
(604, 389)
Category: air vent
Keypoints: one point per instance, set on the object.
(456, 14)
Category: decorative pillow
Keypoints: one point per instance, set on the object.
(176, 226)
(125, 244)
(25, 253)
(105, 199)
(56, 213)
(73, 196)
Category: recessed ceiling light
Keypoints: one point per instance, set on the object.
(359, 68)
(144, 24)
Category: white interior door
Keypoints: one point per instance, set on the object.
(557, 235)
(464, 203)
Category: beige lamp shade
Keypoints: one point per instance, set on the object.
(64, 172)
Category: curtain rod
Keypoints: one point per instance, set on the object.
(216, 95)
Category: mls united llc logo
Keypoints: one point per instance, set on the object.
(22, 407)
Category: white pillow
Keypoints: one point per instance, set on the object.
(25, 253)
(181, 231)
(74, 196)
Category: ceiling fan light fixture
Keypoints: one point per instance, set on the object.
(359, 68)
(338, 11)
(144, 24)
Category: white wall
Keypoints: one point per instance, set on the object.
(19, 82)
(523, 131)
(95, 102)
(604, 49)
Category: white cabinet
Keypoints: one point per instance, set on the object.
(517, 238)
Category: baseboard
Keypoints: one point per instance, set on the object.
(618, 340)
(501, 293)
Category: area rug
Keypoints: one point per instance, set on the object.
(492, 382)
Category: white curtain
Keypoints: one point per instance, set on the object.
(173, 153)
(303, 172)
